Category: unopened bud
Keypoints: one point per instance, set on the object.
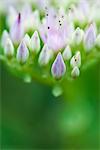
(22, 53)
(45, 56)
(27, 40)
(17, 30)
(89, 38)
(98, 41)
(67, 53)
(75, 72)
(58, 67)
(35, 42)
(4, 38)
(9, 48)
(76, 60)
(77, 36)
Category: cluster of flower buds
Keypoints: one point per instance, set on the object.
(54, 49)
(84, 12)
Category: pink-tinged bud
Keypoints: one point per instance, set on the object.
(35, 42)
(75, 72)
(4, 38)
(67, 53)
(22, 53)
(17, 30)
(8, 48)
(45, 55)
(76, 60)
(58, 67)
(89, 38)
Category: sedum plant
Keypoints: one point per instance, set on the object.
(53, 46)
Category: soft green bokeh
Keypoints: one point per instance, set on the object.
(32, 118)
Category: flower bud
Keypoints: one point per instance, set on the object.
(35, 42)
(77, 36)
(58, 67)
(45, 55)
(4, 38)
(27, 40)
(98, 41)
(67, 53)
(17, 30)
(8, 48)
(76, 60)
(75, 72)
(89, 38)
(22, 53)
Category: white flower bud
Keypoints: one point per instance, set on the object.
(75, 72)
(45, 56)
(67, 53)
(77, 36)
(89, 38)
(9, 48)
(76, 60)
(22, 53)
(98, 41)
(35, 42)
(4, 38)
(27, 40)
(58, 67)
(17, 30)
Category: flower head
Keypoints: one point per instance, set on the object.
(46, 40)
(57, 32)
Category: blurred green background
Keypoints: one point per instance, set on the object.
(32, 118)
